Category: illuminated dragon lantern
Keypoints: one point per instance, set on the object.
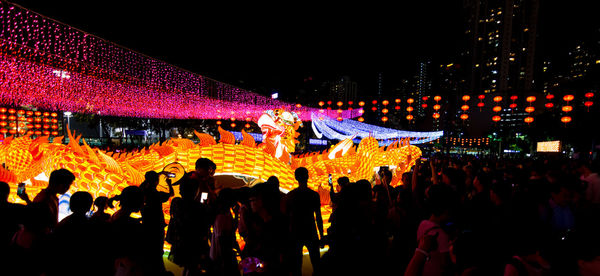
(279, 127)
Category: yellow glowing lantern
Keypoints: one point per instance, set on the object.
(398, 101)
(436, 115)
(497, 108)
(410, 109)
(410, 100)
(361, 103)
(384, 111)
(340, 103)
(567, 108)
(218, 122)
(496, 118)
(497, 99)
(437, 107)
(565, 119)
(529, 109)
(361, 119)
(409, 117)
(437, 98)
(530, 99)
(385, 102)
(464, 107)
(466, 98)
(528, 120)
(464, 116)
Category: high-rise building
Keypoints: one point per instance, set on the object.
(580, 61)
(343, 89)
(502, 43)
(423, 84)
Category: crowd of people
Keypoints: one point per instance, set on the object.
(450, 216)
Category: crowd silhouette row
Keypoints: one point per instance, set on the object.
(452, 216)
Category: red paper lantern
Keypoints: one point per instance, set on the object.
(437, 107)
(385, 102)
(425, 98)
(219, 123)
(424, 105)
(2, 110)
(328, 102)
(496, 118)
(53, 114)
(321, 103)
(588, 103)
(497, 108)
(4, 130)
(46, 114)
(567, 108)
(374, 102)
(340, 103)
(529, 109)
(339, 119)
(374, 108)
(3, 124)
(513, 97)
(397, 107)
(437, 98)
(464, 116)
(361, 103)
(497, 99)
(350, 102)
(528, 120)
(29, 113)
(464, 107)
(38, 113)
(384, 119)
(232, 125)
(410, 100)
(530, 99)
(54, 133)
(410, 109)
(466, 98)
(513, 105)
(568, 98)
(398, 101)
(384, 111)
(549, 105)
(409, 117)
(12, 131)
(549, 97)
(21, 112)
(481, 97)
(565, 119)
(436, 115)
(589, 95)
(12, 111)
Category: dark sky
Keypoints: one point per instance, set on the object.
(278, 45)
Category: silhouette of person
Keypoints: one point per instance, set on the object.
(304, 209)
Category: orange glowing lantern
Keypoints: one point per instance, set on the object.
(232, 125)
(497, 108)
(568, 98)
(53, 114)
(464, 107)
(385, 102)
(12, 117)
(3, 117)
(219, 123)
(566, 119)
(339, 119)
(528, 120)
(466, 98)
(37, 132)
(529, 109)
(398, 101)
(384, 111)
(464, 116)
(46, 114)
(54, 133)
(410, 109)
(496, 118)
(409, 117)
(437, 107)
(12, 111)
(12, 131)
(3, 124)
(21, 112)
(410, 100)
(436, 115)
(384, 119)
(531, 99)
(4, 130)
(339, 111)
(29, 113)
(361, 103)
(2, 110)
(38, 113)
(361, 111)
(361, 119)
(321, 103)
(497, 99)
(340, 103)
(298, 105)
(567, 108)
(437, 98)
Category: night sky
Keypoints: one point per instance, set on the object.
(260, 46)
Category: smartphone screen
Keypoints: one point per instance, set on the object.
(330, 179)
(21, 189)
(203, 197)
(171, 175)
